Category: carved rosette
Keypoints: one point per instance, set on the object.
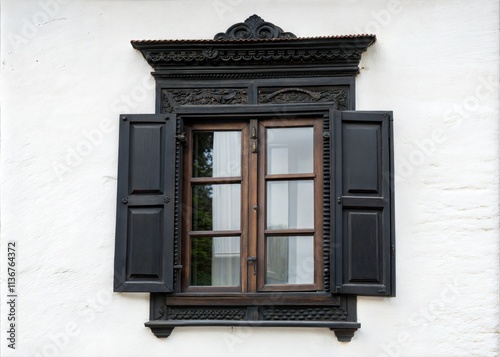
(172, 98)
(253, 28)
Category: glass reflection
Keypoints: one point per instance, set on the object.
(216, 207)
(215, 261)
(289, 150)
(290, 204)
(216, 153)
(290, 260)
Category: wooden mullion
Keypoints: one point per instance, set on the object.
(289, 287)
(289, 232)
(215, 180)
(290, 177)
(210, 234)
(260, 184)
(244, 209)
(254, 214)
(209, 288)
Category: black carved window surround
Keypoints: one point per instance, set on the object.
(256, 70)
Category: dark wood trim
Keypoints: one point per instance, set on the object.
(254, 211)
(230, 55)
(261, 298)
(318, 203)
(187, 212)
(344, 331)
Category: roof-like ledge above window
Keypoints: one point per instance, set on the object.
(256, 48)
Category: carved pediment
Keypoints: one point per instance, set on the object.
(255, 48)
(253, 28)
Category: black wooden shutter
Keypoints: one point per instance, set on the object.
(362, 166)
(145, 209)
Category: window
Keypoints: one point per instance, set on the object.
(253, 198)
(256, 195)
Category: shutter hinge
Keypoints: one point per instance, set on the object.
(254, 133)
(393, 250)
(182, 138)
(178, 266)
(253, 136)
(339, 200)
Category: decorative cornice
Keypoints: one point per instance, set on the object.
(237, 55)
(256, 47)
(253, 28)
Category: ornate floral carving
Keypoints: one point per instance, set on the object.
(172, 98)
(246, 56)
(253, 28)
(206, 313)
(301, 95)
(327, 313)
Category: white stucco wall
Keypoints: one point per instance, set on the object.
(67, 72)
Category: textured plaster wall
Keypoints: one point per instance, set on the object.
(68, 70)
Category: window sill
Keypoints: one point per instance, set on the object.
(343, 330)
(319, 309)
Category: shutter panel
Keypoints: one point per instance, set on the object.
(145, 208)
(363, 220)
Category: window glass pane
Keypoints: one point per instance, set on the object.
(290, 204)
(216, 207)
(289, 150)
(215, 261)
(290, 260)
(216, 153)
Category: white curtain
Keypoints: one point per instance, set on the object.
(226, 208)
(290, 203)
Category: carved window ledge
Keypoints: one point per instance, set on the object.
(337, 313)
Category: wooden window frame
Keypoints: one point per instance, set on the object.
(188, 180)
(257, 71)
(317, 177)
(253, 180)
